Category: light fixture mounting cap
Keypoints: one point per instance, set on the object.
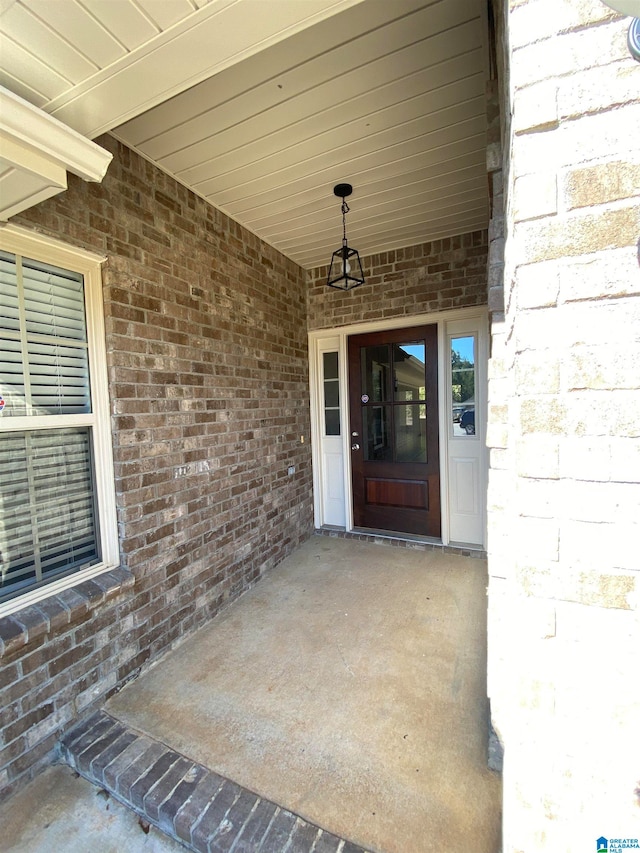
(342, 190)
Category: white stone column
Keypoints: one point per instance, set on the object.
(564, 432)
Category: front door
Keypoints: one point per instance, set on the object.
(393, 393)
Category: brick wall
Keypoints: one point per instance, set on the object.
(207, 358)
(564, 416)
(435, 276)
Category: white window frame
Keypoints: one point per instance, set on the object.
(29, 244)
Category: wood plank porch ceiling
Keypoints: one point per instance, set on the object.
(262, 106)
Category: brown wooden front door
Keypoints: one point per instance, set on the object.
(393, 392)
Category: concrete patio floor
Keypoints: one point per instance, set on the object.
(60, 812)
(349, 686)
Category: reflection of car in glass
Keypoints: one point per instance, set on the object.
(457, 414)
(468, 422)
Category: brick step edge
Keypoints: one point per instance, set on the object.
(188, 802)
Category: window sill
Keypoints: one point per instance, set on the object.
(33, 621)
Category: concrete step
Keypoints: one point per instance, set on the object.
(190, 803)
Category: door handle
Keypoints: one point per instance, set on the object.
(355, 446)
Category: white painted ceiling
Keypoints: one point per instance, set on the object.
(262, 106)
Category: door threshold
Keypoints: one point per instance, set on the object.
(395, 534)
(402, 540)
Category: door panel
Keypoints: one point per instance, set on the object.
(393, 389)
(402, 493)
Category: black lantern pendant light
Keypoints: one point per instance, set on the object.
(345, 271)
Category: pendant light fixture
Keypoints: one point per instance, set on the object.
(345, 270)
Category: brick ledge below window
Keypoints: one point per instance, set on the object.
(62, 608)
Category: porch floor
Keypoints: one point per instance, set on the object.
(349, 687)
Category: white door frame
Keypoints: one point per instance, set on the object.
(339, 335)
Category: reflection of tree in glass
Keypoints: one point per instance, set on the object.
(462, 378)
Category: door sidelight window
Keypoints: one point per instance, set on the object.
(463, 385)
(331, 391)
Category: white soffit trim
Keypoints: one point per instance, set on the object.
(23, 123)
(26, 177)
(36, 151)
(214, 37)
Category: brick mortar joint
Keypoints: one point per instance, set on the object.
(95, 736)
(19, 629)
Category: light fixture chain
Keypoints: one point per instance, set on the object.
(345, 210)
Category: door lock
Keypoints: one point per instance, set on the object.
(355, 446)
(355, 434)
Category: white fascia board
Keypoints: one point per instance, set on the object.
(30, 126)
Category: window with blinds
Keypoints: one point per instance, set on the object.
(48, 507)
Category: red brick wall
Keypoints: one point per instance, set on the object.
(208, 375)
(435, 276)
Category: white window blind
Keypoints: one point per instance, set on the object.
(44, 366)
(49, 512)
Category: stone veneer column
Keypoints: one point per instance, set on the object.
(564, 433)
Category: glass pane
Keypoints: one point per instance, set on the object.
(59, 379)
(54, 378)
(331, 387)
(411, 433)
(376, 422)
(48, 523)
(463, 387)
(332, 422)
(54, 301)
(409, 371)
(375, 365)
(331, 394)
(330, 365)
(9, 312)
(12, 388)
